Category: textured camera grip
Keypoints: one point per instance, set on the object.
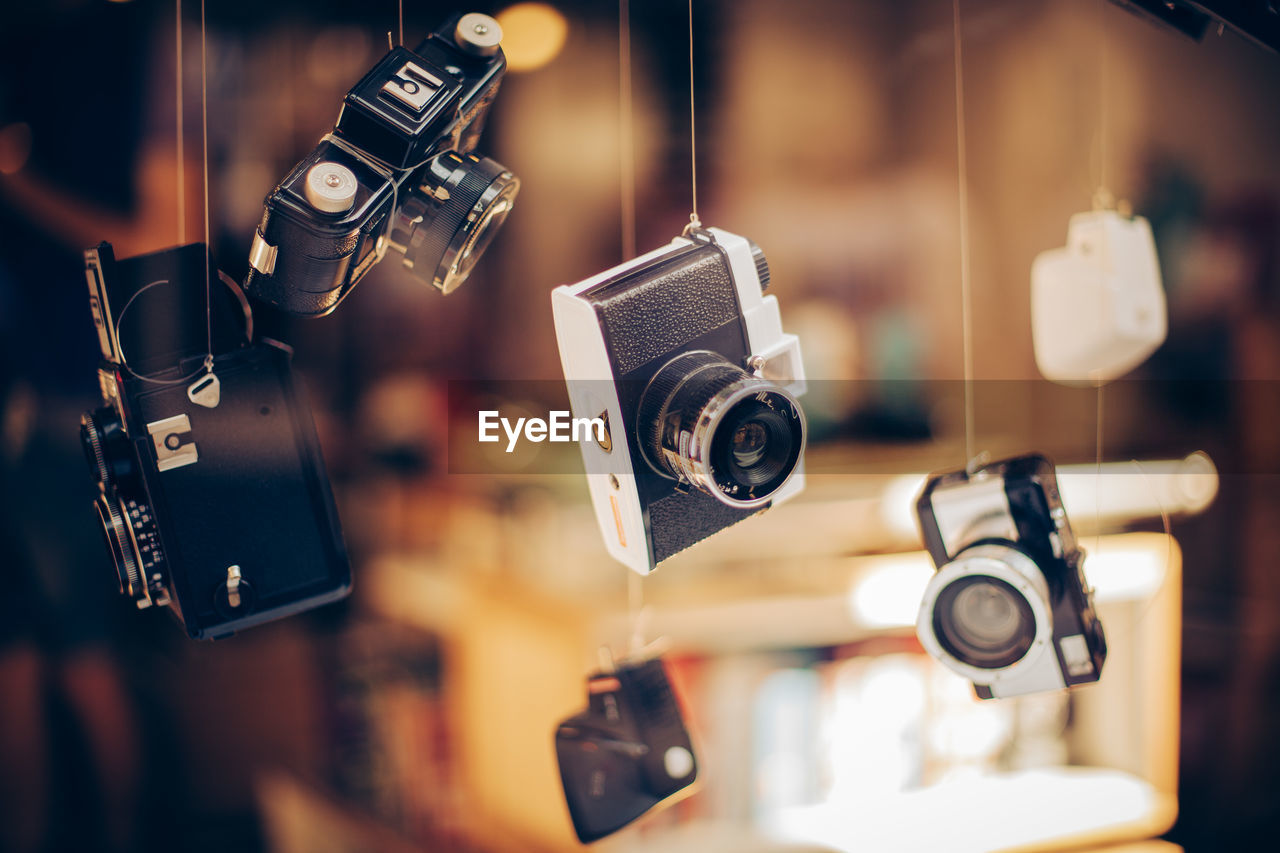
(660, 315)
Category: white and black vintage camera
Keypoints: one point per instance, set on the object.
(683, 356)
(1009, 607)
(397, 172)
(212, 491)
(627, 752)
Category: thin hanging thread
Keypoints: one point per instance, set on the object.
(204, 130)
(635, 609)
(401, 5)
(1168, 541)
(966, 320)
(182, 178)
(626, 131)
(1102, 197)
(694, 221)
(1097, 479)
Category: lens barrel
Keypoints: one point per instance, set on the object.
(449, 219)
(709, 423)
(984, 622)
(987, 614)
(128, 526)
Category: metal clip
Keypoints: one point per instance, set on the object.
(233, 586)
(262, 255)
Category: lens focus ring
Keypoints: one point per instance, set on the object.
(708, 423)
(452, 215)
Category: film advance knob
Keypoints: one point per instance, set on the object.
(330, 187)
(762, 265)
(478, 34)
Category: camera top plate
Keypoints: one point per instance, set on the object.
(399, 109)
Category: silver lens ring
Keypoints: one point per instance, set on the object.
(1011, 572)
(122, 545)
(710, 424)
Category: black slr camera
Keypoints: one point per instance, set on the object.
(627, 752)
(683, 358)
(397, 172)
(212, 492)
(1009, 607)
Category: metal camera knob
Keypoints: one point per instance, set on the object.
(762, 265)
(331, 187)
(478, 34)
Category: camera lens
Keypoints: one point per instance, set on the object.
(131, 536)
(128, 526)
(984, 622)
(106, 448)
(448, 221)
(757, 443)
(709, 423)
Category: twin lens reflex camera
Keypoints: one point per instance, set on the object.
(212, 491)
(397, 172)
(683, 357)
(1009, 607)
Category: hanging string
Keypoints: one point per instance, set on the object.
(694, 221)
(1168, 542)
(401, 4)
(124, 358)
(1102, 200)
(636, 610)
(1097, 479)
(1102, 196)
(204, 130)
(966, 319)
(182, 177)
(626, 131)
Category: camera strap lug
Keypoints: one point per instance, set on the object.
(207, 390)
(695, 232)
(262, 255)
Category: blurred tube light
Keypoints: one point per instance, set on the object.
(533, 34)
(886, 591)
(1116, 492)
(1120, 571)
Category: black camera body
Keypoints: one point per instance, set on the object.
(397, 172)
(221, 512)
(1009, 607)
(684, 358)
(627, 752)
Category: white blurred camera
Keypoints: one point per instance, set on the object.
(1097, 304)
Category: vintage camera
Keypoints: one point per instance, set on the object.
(627, 752)
(1009, 607)
(397, 172)
(1097, 304)
(684, 358)
(212, 491)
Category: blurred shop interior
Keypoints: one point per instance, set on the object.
(418, 714)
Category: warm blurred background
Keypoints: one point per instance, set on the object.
(419, 714)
